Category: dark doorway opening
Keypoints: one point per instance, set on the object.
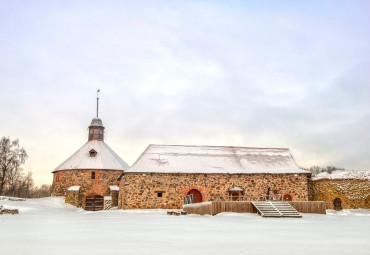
(337, 202)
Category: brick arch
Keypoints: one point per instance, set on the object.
(287, 197)
(198, 197)
(203, 190)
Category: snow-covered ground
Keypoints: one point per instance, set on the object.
(48, 226)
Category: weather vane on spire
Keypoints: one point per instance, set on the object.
(97, 103)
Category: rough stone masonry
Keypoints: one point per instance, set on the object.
(140, 190)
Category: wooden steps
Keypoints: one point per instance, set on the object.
(277, 209)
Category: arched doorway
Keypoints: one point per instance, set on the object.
(94, 203)
(287, 197)
(337, 202)
(197, 195)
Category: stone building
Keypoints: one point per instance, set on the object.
(165, 174)
(342, 189)
(88, 178)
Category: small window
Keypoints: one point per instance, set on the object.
(57, 177)
(92, 153)
(159, 194)
(92, 175)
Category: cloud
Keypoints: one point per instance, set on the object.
(248, 74)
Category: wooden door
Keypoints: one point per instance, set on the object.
(197, 195)
(94, 203)
(337, 204)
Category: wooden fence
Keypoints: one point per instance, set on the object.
(309, 206)
(216, 207)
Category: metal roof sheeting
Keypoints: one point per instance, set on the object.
(215, 159)
(105, 158)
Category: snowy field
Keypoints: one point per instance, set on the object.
(48, 226)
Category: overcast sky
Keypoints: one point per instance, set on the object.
(246, 73)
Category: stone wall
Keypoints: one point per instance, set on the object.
(73, 197)
(354, 193)
(114, 195)
(98, 186)
(138, 190)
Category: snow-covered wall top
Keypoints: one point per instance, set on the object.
(105, 158)
(74, 188)
(215, 159)
(339, 174)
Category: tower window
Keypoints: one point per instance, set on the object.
(92, 153)
(92, 175)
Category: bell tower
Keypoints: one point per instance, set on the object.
(96, 128)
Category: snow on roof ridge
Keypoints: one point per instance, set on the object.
(217, 146)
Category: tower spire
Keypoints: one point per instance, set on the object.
(96, 128)
(97, 103)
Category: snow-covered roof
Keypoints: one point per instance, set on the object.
(105, 158)
(215, 159)
(113, 187)
(74, 188)
(235, 188)
(96, 122)
(341, 174)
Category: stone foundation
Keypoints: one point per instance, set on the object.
(140, 191)
(354, 193)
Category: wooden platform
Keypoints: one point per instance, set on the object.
(276, 209)
(216, 207)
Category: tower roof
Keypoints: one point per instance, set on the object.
(96, 122)
(103, 157)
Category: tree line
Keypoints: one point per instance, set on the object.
(315, 170)
(13, 181)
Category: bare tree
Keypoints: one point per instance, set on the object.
(315, 170)
(43, 191)
(12, 157)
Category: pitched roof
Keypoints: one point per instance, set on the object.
(215, 159)
(105, 158)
